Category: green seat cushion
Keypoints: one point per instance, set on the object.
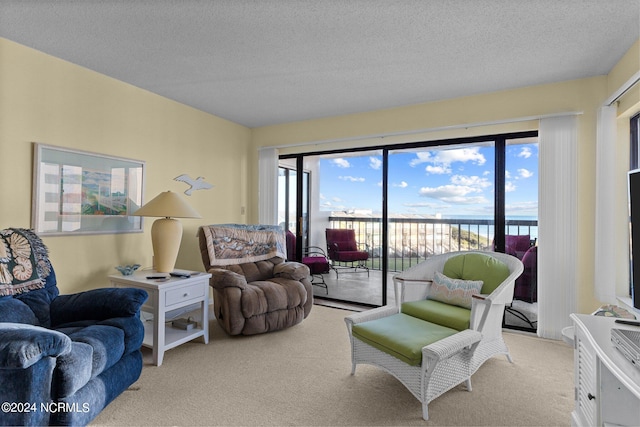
(440, 313)
(401, 336)
(475, 266)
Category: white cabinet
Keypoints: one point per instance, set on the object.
(166, 295)
(607, 386)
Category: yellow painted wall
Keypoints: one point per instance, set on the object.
(44, 99)
(584, 95)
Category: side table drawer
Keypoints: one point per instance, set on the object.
(175, 296)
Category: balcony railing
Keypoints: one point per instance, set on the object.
(412, 240)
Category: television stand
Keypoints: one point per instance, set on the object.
(607, 385)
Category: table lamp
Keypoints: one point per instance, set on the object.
(166, 232)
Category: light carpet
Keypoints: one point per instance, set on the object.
(301, 377)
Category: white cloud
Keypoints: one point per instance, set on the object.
(401, 185)
(341, 163)
(507, 174)
(375, 163)
(525, 173)
(351, 178)
(441, 160)
(437, 170)
(509, 186)
(463, 189)
(470, 181)
(525, 152)
(421, 157)
(461, 155)
(458, 194)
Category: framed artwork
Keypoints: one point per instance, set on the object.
(78, 192)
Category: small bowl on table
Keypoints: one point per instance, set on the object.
(127, 270)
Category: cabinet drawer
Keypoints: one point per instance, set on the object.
(187, 293)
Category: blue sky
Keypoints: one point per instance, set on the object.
(450, 182)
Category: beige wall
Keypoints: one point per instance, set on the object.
(584, 95)
(44, 99)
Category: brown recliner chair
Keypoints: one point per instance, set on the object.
(254, 289)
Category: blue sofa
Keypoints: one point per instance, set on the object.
(63, 358)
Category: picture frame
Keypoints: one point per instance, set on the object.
(78, 192)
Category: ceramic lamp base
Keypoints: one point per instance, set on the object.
(166, 234)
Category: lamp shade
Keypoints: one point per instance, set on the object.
(168, 205)
(166, 233)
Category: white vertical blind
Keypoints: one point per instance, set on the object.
(557, 224)
(268, 186)
(605, 230)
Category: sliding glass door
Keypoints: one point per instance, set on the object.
(521, 228)
(406, 202)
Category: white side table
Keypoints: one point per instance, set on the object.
(165, 296)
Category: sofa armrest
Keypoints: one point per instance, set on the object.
(221, 278)
(97, 304)
(291, 270)
(23, 345)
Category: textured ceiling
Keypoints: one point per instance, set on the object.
(265, 62)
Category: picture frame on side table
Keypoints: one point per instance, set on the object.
(79, 192)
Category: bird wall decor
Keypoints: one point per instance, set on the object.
(195, 184)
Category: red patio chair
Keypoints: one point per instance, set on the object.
(314, 258)
(343, 251)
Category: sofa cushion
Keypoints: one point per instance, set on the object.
(255, 271)
(453, 291)
(291, 270)
(476, 266)
(275, 294)
(107, 343)
(401, 336)
(73, 370)
(39, 301)
(131, 326)
(15, 311)
(97, 304)
(451, 316)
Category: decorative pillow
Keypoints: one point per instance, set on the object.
(453, 291)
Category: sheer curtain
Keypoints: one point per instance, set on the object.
(557, 230)
(268, 186)
(605, 248)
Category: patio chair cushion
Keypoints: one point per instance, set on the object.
(401, 336)
(476, 266)
(440, 313)
(346, 246)
(317, 264)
